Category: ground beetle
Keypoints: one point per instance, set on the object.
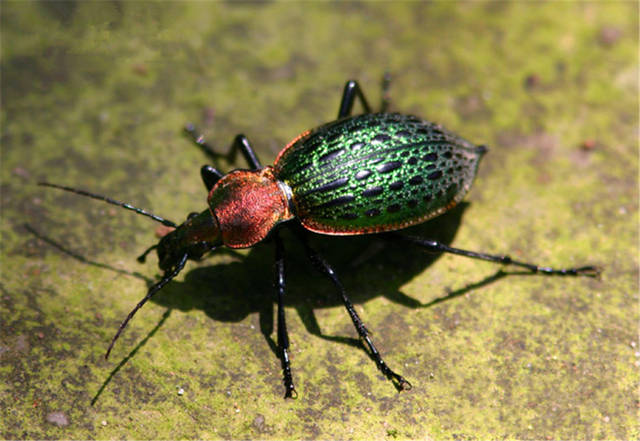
(370, 173)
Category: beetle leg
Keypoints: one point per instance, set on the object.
(283, 336)
(240, 142)
(386, 96)
(210, 176)
(435, 246)
(323, 266)
(352, 90)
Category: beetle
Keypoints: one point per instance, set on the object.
(373, 173)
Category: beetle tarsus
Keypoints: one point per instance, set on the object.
(590, 271)
(240, 142)
(398, 380)
(587, 271)
(401, 383)
(290, 390)
(438, 247)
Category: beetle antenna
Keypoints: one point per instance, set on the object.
(156, 218)
(168, 276)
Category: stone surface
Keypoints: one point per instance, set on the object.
(94, 95)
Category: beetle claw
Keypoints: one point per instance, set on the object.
(590, 271)
(405, 385)
(291, 393)
(401, 383)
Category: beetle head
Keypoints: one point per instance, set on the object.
(194, 237)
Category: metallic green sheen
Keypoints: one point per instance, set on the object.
(376, 172)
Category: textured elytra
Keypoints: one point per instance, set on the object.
(376, 172)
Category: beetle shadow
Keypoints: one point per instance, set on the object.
(79, 257)
(230, 292)
(368, 266)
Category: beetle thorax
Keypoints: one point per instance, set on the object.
(248, 205)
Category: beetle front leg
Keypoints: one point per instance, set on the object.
(323, 266)
(435, 246)
(283, 336)
(240, 142)
(210, 176)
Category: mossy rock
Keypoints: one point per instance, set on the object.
(94, 95)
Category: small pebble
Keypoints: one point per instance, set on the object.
(258, 422)
(140, 69)
(58, 418)
(532, 81)
(23, 173)
(588, 144)
(609, 35)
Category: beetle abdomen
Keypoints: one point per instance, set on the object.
(376, 172)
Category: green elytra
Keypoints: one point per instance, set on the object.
(371, 173)
(362, 174)
(376, 172)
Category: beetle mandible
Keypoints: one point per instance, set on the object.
(370, 173)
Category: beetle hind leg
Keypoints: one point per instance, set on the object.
(385, 101)
(352, 91)
(435, 246)
(323, 266)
